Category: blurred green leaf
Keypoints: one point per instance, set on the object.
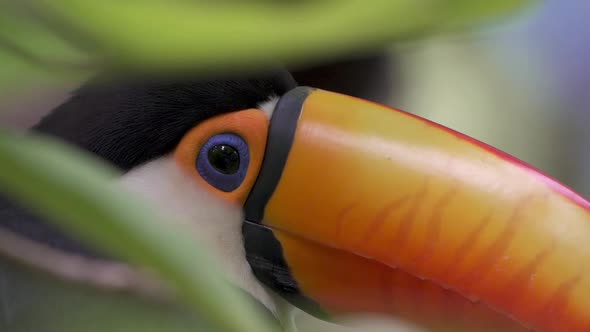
(31, 300)
(27, 38)
(164, 35)
(461, 14)
(17, 74)
(77, 192)
(29, 51)
(53, 39)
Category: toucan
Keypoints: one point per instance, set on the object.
(336, 204)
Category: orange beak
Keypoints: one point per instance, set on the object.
(379, 211)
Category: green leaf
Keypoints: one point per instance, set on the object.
(460, 15)
(31, 40)
(18, 74)
(163, 35)
(30, 300)
(75, 191)
(30, 52)
(57, 39)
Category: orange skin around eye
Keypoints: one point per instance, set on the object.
(251, 125)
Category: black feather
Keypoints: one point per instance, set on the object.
(128, 123)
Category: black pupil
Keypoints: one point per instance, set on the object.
(224, 158)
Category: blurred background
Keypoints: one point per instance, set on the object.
(518, 84)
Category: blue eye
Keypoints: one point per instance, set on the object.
(223, 161)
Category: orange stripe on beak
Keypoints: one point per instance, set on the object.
(380, 211)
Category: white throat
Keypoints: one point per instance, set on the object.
(217, 225)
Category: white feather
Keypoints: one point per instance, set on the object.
(268, 107)
(216, 224)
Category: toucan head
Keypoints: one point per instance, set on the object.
(347, 206)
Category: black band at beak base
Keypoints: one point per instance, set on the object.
(264, 252)
(281, 133)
